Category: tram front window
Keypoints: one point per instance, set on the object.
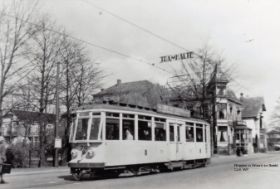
(94, 128)
(81, 133)
(84, 125)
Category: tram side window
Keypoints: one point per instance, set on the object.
(189, 132)
(81, 133)
(205, 131)
(160, 131)
(178, 133)
(144, 128)
(199, 133)
(171, 133)
(112, 129)
(94, 128)
(128, 127)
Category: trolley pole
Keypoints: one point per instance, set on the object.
(57, 115)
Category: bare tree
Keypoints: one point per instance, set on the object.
(14, 33)
(72, 53)
(87, 80)
(191, 83)
(43, 53)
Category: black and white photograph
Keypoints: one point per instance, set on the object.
(139, 94)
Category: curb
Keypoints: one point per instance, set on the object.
(38, 171)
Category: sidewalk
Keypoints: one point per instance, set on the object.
(217, 159)
(41, 170)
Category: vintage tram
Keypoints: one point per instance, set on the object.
(112, 139)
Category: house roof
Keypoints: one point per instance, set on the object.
(230, 95)
(252, 107)
(274, 132)
(34, 116)
(121, 88)
(143, 93)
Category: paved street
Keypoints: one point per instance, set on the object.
(254, 171)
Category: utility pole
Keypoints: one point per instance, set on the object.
(214, 117)
(55, 163)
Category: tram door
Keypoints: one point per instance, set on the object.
(175, 142)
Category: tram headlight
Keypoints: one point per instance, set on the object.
(90, 154)
(74, 154)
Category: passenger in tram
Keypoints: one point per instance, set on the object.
(146, 135)
(190, 137)
(110, 133)
(128, 135)
(199, 137)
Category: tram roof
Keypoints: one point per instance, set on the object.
(133, 108)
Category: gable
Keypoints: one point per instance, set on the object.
(252, 107)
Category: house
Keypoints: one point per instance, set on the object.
(252, 114)
(229, 131)
(25, 124)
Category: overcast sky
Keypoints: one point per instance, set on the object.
(245, 32)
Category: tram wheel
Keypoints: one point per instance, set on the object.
(77, 176)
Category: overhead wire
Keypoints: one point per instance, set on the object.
(147, 31)
(92, 44)
(134, 25)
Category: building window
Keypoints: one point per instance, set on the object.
(223, 134)
(221, 91)
(221, 115)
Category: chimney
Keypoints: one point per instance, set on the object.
(241, 97)
(119, 81)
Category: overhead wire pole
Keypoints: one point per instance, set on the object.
(214, 116)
